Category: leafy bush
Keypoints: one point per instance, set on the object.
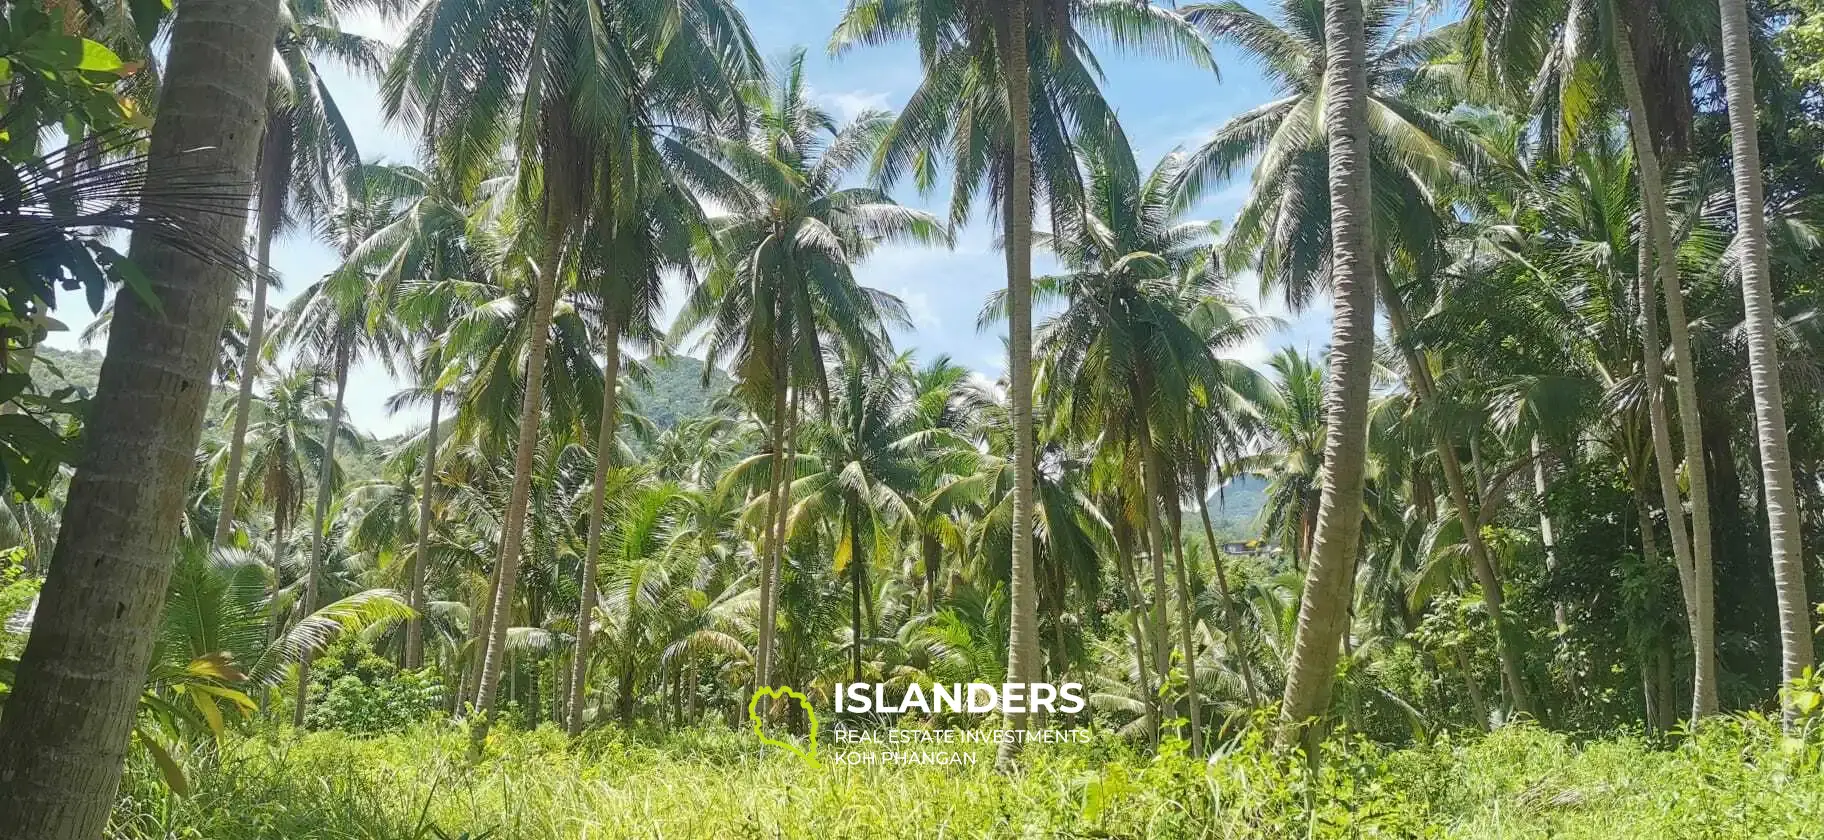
(358, 692)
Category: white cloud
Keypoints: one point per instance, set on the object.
(845, 105)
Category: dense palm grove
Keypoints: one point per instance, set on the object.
(1560, 466)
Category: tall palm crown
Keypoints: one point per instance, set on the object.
(1284, 223)
(1145, 316)
(784, 287)
(959, 111)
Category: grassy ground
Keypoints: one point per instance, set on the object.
(1733, 781)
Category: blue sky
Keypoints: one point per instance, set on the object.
(1162, 105)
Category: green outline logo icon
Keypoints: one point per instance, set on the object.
(753, 714)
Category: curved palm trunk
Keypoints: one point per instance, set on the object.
(64, 736)
(1763, 352)
(319, 523)
(1698, 572)
(414, 628)
(1323, 610)
(1240, 649)
(275, 169)
(514, 525)
(604, 445)
(1513, 676)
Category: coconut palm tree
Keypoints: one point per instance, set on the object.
(1014, 142)
(866, 459)
(1123, 362)
(1576, 50)
(336, 322)
(65, 734)
(575, 144)
(308, 159)
(783, 296)
(1783, 529)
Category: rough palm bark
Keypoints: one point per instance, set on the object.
(414, 628)
(1763, 353)
(64, 736)
(320, 521)
(1023, 634)
(592, 557)
(274, 170)
(513, 529)
(1323, 609)
(1699, 586)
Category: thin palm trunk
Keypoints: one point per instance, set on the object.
(414, 629)
(320, 523)
(857, 583)
(1159, 627)
(1237, 645)
(63, 739)
(275, 151)
(775, 526)
(1187, 637)
(604, 446)
(1512, 673)
(1135, 606)
(1323, 609)
(1547, 539)
(1023, 634)
(1698, 572)
(1783, 527)
(1155, 495)
(514, 523)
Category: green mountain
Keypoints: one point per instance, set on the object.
(673, 390)
(1235, 507)
(53, 369)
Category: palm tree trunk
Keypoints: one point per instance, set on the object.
(775, 525)
(1699, 584)
(857, 580)
(64, 736)
(1023, 634)
(514, 526)
(1513, 674)
(319, 522)
(274, 172)
(1124, 554)
(1783, 528)
(1236, 644)
(1323, 609)
(1187, 633)
(1155, 498)
(414, 629)
(1160, 626)
(604, 447)
(1560, 614)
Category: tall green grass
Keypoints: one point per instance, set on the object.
(1733, 780)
